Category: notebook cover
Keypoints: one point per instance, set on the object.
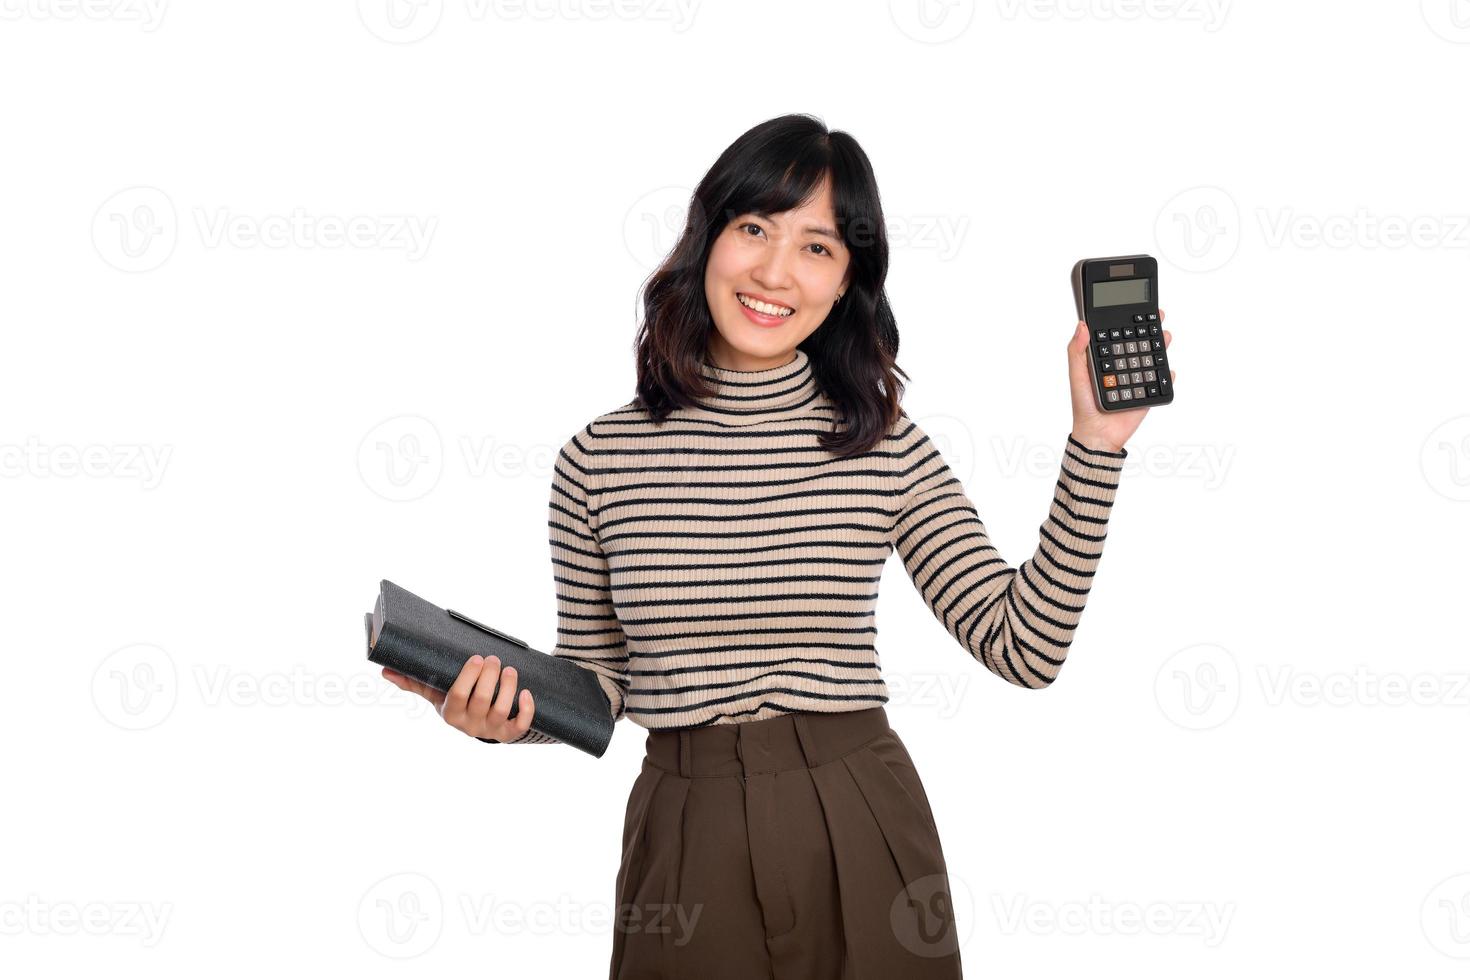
(418, 639)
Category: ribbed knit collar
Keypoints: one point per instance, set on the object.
(750, 393)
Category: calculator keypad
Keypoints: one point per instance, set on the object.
(1131, 360)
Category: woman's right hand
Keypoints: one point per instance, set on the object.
(467, 705)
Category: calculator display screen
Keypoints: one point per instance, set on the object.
(1119, 293)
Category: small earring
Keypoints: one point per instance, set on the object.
(838, 299)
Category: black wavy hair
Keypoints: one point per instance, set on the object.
(774, 167)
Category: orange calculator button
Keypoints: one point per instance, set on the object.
(1110, 381)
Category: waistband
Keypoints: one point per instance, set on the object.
(802, 739)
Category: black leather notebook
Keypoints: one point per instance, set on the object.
(420, 640)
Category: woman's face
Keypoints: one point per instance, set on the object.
(794, 260)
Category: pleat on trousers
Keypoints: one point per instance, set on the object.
(800, 847)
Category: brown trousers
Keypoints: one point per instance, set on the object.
(800, 847)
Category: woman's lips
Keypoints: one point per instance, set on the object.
(761, 319)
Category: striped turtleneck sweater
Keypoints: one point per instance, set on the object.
(721, 567)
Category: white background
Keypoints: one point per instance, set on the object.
(222, 426)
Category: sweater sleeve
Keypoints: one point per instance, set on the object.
(1018, 622)
(588, 631)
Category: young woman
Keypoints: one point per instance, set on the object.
(717, 544)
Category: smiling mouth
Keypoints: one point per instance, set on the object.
(766, 309)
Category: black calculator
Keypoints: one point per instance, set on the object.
(1118, 299)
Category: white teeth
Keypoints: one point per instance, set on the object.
(765, 308)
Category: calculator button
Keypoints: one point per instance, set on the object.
(1133, 362)
(1138, 393)
(1147, 359)
(1153, 391)
(1153, 317)
(1127, 331)
(1104, 349)
(1113, 395)
(1131, 347)
(1126, 394)
(1110, 381)
(1102, 334)
(1115, 333)
(1154, 328)
(1107, 366)
(1117, 349)
(1138, 318)
(1150, 376)
(1137, 377)
(1158, 345)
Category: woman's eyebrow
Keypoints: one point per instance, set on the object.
(809, 229)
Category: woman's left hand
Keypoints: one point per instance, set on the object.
(1095, 429)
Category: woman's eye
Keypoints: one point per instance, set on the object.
(750, 225)
(822, 247)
